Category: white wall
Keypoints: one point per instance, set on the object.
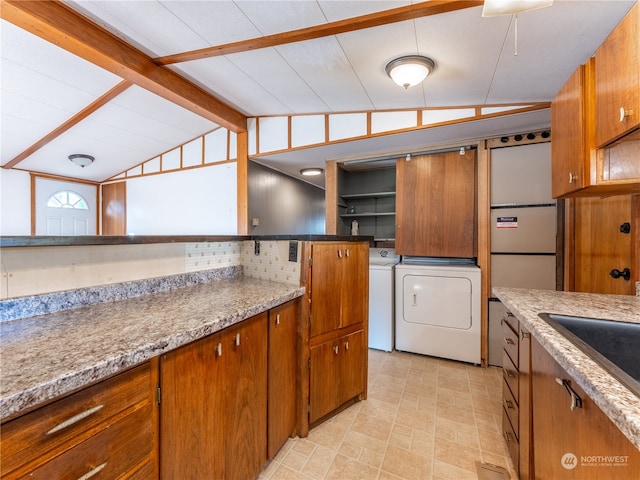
(187, 202)
(15, 202)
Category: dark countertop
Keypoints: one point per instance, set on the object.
(59, 241)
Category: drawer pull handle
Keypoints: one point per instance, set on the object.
(339, 253)
(335, 349)
(346, 345)
(278, 319)
(576, 401)
(347, 252)
(93, 472)
(572, 178)
(509, 373)
(237, 339)
(74, 419)
(507, 436)
(524, 335)
(508, 404)
(508, 341)
(624, 114)
(219, 349)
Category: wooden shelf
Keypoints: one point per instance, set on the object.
(367, 214)
(369, 195)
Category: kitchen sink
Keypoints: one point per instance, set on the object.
(614, 345)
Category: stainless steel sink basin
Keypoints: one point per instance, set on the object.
(613, 345)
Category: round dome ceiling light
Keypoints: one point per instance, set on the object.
(409, 70)
(81, 159)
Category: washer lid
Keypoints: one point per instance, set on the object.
(383, 256)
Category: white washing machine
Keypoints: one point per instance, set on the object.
(438, 308)
(382, 262)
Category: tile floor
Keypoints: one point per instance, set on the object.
(424, 419)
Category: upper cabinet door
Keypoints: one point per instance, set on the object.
(618, 80)
(570, 122)
(326, 287)
(355, 282)
(436, 205)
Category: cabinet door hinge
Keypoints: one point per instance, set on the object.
(309, 363)
(309, 408)
(158, 395)
(310, 262)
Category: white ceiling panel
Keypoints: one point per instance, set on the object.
(335, 11)
(271, 17)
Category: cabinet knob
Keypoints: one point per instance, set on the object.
(625, 227)
(625, 273)
(572, 178)
(524, 335)
(624, 114)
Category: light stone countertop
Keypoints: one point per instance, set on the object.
(616, 400)
(50, 355)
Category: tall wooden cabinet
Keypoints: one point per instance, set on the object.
(335, 353)
(214, 404)
(436, 205)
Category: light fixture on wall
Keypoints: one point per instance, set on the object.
(494, 8)
(81, 159)
(409, 70)
(310, 172)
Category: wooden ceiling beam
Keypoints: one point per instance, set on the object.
(62, 26)
(76, 119)
(408, 12)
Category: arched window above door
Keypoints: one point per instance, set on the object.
(67, 199)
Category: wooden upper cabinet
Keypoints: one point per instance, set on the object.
(573, 132)
(339, 280)
(436, 205)
(618, 80)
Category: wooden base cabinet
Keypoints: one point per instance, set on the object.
(337, 373)
(283, 355)
(574, 443)
(214, 403)
(107, 430)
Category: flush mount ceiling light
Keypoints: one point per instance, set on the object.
(494, 8)
(410, 70)
(309, 172)
(81, 159)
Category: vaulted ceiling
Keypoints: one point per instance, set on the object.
(128, 80)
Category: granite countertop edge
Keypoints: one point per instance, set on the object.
(614, 399)
(48, 356)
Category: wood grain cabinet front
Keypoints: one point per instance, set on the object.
(573, 438)
(104, 431)
(213, 410)
(618, 80)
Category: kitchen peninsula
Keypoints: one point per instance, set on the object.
(114, 355)
(569, 403)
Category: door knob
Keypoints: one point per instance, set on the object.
(624, 273)
(625, 227)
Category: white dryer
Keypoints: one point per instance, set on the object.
(438, 309)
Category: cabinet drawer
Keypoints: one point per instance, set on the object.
(73, 418)
(511, 408)
(512, 441)
(510, 319)
(108, 454)
(510, 374)
(510, 342)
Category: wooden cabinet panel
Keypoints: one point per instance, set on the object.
(436, 205)
(339, 282)
(600, 247)
(352, 366)
(323, 384)
(282, 354)
(355, 281)
(326, 296)
(567, 442)
(213, 408)
(573, 133)
(36, 437)
(618, 80)
(114, 208)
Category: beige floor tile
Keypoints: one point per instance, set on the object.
(344, 468)
(424, 419)
(406, 464)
